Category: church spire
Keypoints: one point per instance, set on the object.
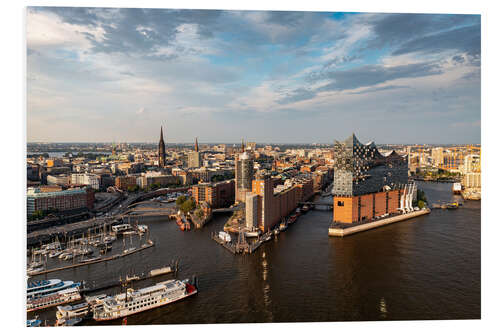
(161, 133)
(242, 146)
(161, 150)
(196, 144)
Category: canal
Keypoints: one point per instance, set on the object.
(425, 268)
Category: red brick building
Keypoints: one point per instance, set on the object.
(217, 195)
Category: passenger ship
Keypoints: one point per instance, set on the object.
(39, 289)
(58, 298)
(135, 301)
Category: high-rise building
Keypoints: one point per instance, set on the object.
(367, 184)
(437, 156)
(251, 211)
(161, 150)
(472, 163)
(244, 174)
(266, 206)
(194, 157)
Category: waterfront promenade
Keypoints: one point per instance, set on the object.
(345, 230)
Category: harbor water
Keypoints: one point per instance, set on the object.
(424, 268)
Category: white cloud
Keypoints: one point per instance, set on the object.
(47, 30)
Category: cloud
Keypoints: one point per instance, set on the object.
(377, 89)
(464, 39)
(297, 95)
(238, 69)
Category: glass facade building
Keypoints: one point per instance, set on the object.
(361, 169)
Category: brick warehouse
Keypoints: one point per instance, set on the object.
(367, 184)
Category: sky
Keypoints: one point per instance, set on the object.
(109, 74)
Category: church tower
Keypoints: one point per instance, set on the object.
(161, 150)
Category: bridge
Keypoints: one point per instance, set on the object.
(314, 204)
(225, 210)
(228, 210)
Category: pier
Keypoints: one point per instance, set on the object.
(174, 268)
(241, 247)
(116, 256)
(341, 230)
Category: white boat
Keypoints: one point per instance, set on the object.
(32, 271)
(60, 297)
(63, 254)
(135, 301)
(224, 236)
(55, 254)
(42, 288)
(160, 271)
(128, 250)
(67, 312)
(121, 227)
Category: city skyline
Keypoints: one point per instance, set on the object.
(104, 75)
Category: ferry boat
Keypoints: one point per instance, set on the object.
(58, 298)
(135, 301)
(65, 313)
(39, 289)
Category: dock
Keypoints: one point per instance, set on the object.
(174, 268)
(241, 247)
(116, 256)
(338, 231)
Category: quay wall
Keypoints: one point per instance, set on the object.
(341, 232)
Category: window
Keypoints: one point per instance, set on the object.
(340, 203)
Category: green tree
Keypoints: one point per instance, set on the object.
(199, 213)
(188, 205)
(180, 200)
(421, 204)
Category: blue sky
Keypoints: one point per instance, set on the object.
(111, 74)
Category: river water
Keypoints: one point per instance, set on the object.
(424, 268)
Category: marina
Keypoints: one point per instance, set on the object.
(126, 252)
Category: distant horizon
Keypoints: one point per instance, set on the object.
(239, 143)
